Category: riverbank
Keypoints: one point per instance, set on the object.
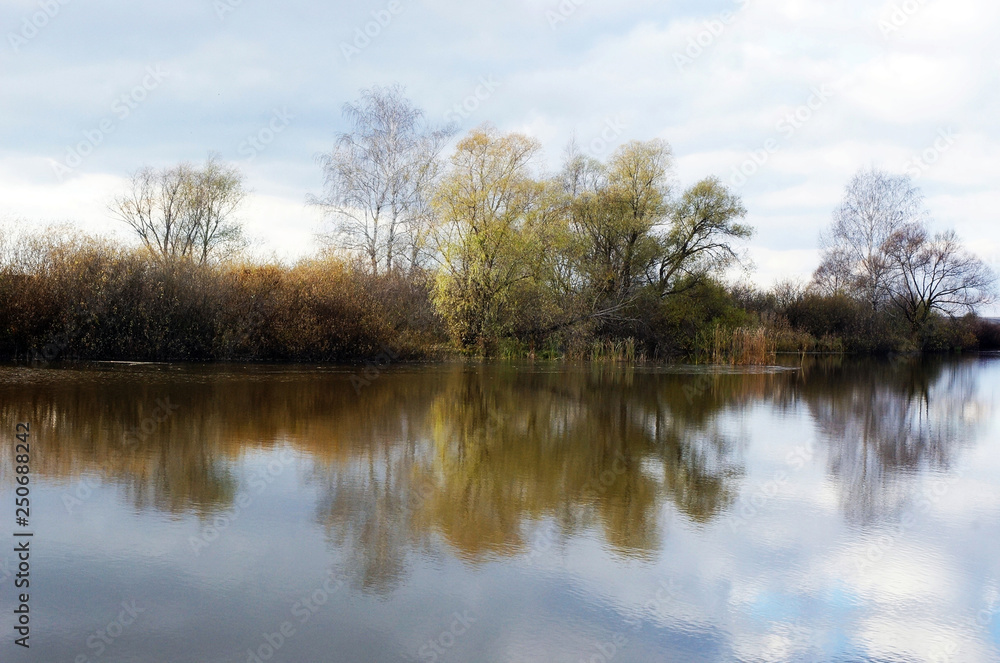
(78, 297)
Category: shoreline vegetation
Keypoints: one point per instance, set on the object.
(481, 254)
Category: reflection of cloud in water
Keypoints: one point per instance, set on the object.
(473, 457)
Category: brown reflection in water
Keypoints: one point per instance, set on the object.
(474, 455)
(491, 449)
(587, 446)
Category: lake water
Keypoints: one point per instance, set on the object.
(839, 510)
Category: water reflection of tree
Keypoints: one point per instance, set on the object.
(88, 424)
(474, 457)
(484, 450)
(499, 448)
(363, 506)
(883, 423)
(590, 448)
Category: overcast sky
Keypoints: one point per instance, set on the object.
(91, 90)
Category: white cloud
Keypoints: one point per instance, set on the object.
(936, 71)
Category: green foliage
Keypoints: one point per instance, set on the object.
(604, 261)
(941, 334)
(683, 324)
(492, 236)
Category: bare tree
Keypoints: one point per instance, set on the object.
(155, 207)
(833, 276)
(216, 191)
(581, 174)
(935, 274)
(378, 178)
(875, 204)
(184, 213)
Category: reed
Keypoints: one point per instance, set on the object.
(612, 350)
(742, 346)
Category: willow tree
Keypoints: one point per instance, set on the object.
(637, 239)
(599, 244)
(495, 228)
(616, 218)
(700, 240)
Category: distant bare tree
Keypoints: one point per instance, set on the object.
(216, 192)
(183, 212)
(155, 208)
(581, 174)
(935, 274)
(875, 205)
(833, 276)
(378, 178)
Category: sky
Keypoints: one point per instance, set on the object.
(782, 99)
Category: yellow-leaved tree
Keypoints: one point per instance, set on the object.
(497, 229)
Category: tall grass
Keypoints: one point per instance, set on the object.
(606, 350)
(743, 346)
(623, 350)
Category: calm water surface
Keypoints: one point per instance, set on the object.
(838, 511)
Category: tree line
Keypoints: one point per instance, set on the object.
(483, 252)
